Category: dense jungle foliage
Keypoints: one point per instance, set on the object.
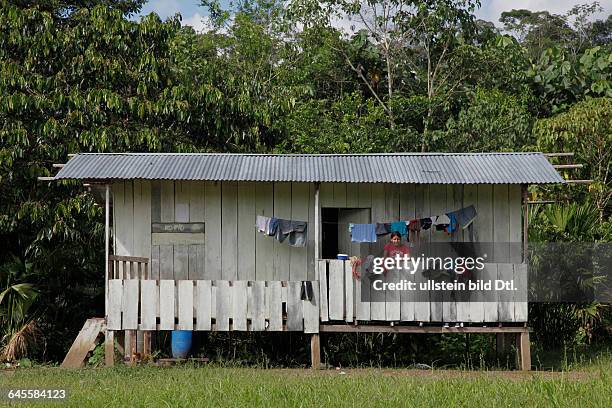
(302, 77)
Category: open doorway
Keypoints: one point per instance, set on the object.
(336, 237)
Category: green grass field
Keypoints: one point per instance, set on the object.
(187, 386)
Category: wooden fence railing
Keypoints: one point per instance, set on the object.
(341, 299)
(128, 267)
(218, 305)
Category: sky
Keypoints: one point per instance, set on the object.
(491, 10)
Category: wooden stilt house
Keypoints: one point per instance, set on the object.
(183, 252)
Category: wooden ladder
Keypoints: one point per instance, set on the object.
(84, 343)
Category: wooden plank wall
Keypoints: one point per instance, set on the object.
(217, 305)
(498, 221)
(231, 249)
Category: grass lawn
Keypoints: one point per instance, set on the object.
(187, 386)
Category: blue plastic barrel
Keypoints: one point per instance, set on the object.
(181, 343)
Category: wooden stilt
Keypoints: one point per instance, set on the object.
(315, 351)
(523, 351)
(146, 349)
(140, 342)
(130, 345)
(120, 336)
(500, 344)
(134, 351)
(109, 348)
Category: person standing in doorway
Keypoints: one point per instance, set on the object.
(395, 247)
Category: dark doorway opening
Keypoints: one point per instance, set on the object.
(329, 221)
(336, 237)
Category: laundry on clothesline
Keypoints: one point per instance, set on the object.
(363, 233)
(399, 227)
(441, 220)
(448, 222)
(383, 228)
(463, 217)
(294, 232)
(426, 223)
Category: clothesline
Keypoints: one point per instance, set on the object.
(448, 222)
(295, 232)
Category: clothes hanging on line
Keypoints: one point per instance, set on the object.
(272, 227)
(464, 216)
(263, 223)
(294, 232)
(399, 227)
(383, 228)
(363, 233)
(414, 226)
(266, 225)
(452, 225)
(441, 220)
(425, 223)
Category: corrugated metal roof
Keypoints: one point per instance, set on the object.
(420, 168)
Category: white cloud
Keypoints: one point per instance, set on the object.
(491, 9)
(163, 8)
(199, 22)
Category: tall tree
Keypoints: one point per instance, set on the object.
(574, 31)
(88, 81)
(414, 39)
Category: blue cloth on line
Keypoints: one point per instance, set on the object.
(296, 231)
(399, 226)
(272, 227)
(363, 233)
(464, 216)
(453, 223)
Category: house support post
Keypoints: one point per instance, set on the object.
(109, 336)
(109, 348)
(130, 346)
(317, 226)
(503, 341)
(525, 221)
(315, 351)
(146, 349)
(523, 351)
(106, 246)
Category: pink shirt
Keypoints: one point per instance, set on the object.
(392, 250)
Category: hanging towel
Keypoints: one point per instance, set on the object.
(400, 227)
(464, 216)
(442, 220)
(415, 231)
(272, 227)
(295, 231)
(383, 228)
(425, 223)
(298, 237)
(363, 233)
(452, 225)
(262, 223)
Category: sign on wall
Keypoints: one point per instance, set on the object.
(177, 227)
